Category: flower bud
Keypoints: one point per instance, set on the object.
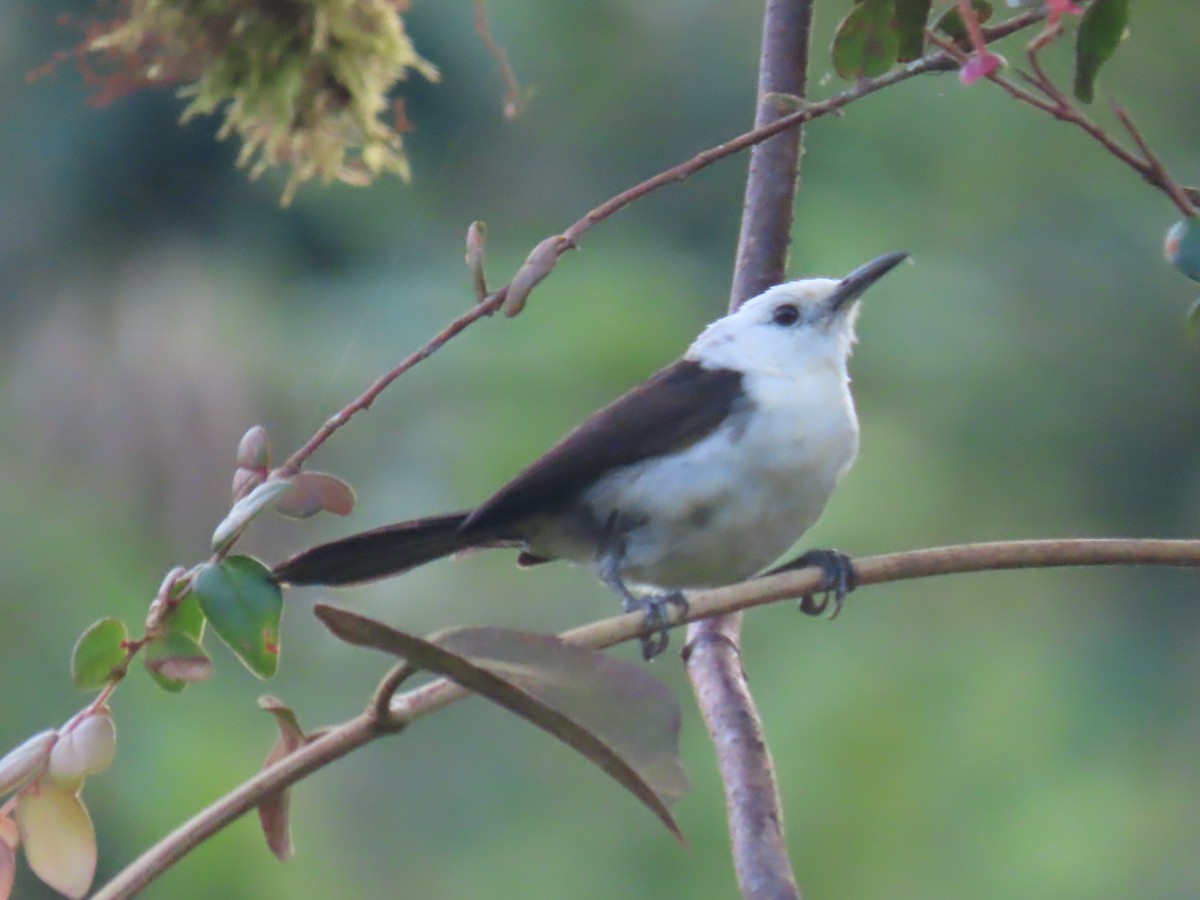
(84, 750)
(22, 764)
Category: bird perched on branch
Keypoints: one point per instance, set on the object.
(701, 476)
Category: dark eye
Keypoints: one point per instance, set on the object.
(785, 315)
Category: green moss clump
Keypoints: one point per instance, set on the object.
(302, 83)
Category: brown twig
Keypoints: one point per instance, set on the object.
(1056, 103)
(514, 97)
(364, 401)
(420, 702)
(380, 707)
(1179, 195)
(713, 654)
(937, 61)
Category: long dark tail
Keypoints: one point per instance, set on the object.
(376, 554)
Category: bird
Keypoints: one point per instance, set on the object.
(699, 477)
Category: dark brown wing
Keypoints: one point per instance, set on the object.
(676, 407)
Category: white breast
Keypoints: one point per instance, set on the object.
(735, 501)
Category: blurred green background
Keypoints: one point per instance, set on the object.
(999, 736)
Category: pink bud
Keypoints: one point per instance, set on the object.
(254, 450)
(1058, 7)
(246, 480)
(980, 65)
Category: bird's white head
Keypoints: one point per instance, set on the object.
(792, 325)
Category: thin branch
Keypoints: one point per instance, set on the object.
(1179, 195)
(514, 97)
(422, 701)
(936, 61)
(380, 707)
(766, 231)
(331, 746)
(366, 727)
(364, 401)
(1059, 105)
(713, 654)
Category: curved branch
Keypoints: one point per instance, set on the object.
(1059, 105)
(937, 61)
(422, 701)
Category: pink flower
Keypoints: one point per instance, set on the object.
(1058, 7)
(980, 65)
(982, 61)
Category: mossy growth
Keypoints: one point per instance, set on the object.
(303, 83)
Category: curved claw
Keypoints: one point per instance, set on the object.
(840, 579)
(658, 617)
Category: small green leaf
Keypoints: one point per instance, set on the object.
(176, 660)
(313, 492)
(867, 42)
(950, 22)
(188, 618)
(911, 17)
(244, 605)
(243, 512)
(614, 713)
(98, 654)
(1100, 33)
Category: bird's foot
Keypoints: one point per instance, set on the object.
(840, 579)
(658, 617)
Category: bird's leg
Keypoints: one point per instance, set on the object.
(655, 606)
(840, 579)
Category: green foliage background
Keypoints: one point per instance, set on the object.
(1003, 736)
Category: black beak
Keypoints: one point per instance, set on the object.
(854, 284)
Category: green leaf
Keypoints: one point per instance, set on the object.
(244, 605)
(867, 42)
(99, 654)
(188, 618)
(612, 712)
(911, 16)
(1100, 33)
(176, 660)
(243, 512)
(950, 22)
